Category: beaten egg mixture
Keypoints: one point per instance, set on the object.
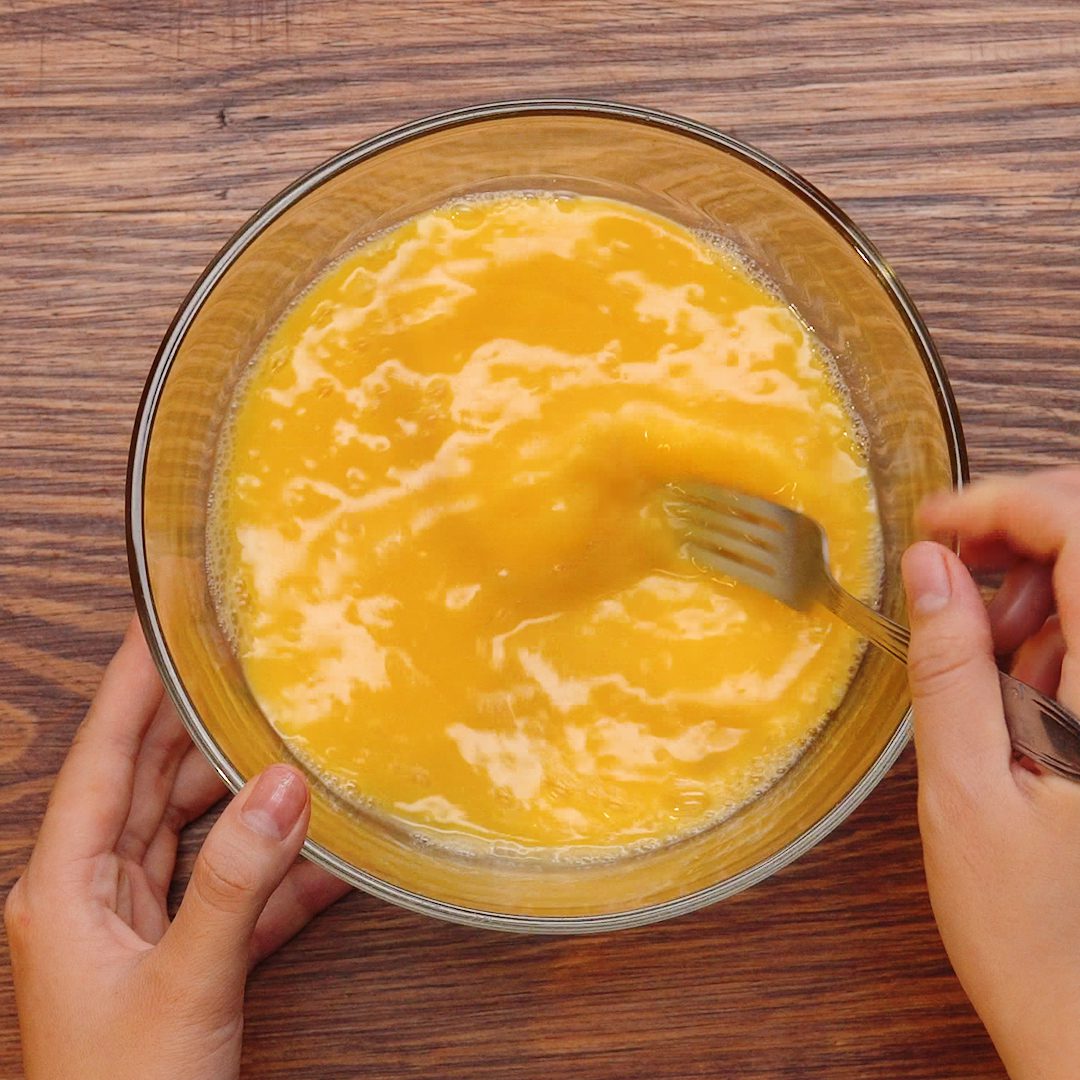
(438, 536)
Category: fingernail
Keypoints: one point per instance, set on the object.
(926, 578)
(275, 803)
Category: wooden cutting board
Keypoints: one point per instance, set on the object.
(136, 136)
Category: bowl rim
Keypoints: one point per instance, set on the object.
(234, 248)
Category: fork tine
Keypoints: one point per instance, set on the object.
(741, 537)
(723, 542)
(761, 511)
(733, 568)
(719, 519)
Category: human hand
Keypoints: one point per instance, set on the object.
(105, 986)
(1001, 839)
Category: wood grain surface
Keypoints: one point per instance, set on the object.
(135, 135)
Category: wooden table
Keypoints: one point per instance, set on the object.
(135, 135)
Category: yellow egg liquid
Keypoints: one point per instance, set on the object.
(439, 544)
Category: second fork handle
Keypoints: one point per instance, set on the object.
(1040, 728)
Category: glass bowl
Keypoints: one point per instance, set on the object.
(696, 176)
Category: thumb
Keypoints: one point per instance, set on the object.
(959, 723)
(243, 860)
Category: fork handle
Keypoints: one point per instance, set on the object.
(882, 631)
(1039, 727)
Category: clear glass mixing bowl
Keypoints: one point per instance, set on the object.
(696, 176)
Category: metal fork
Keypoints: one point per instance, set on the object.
(784, 553)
